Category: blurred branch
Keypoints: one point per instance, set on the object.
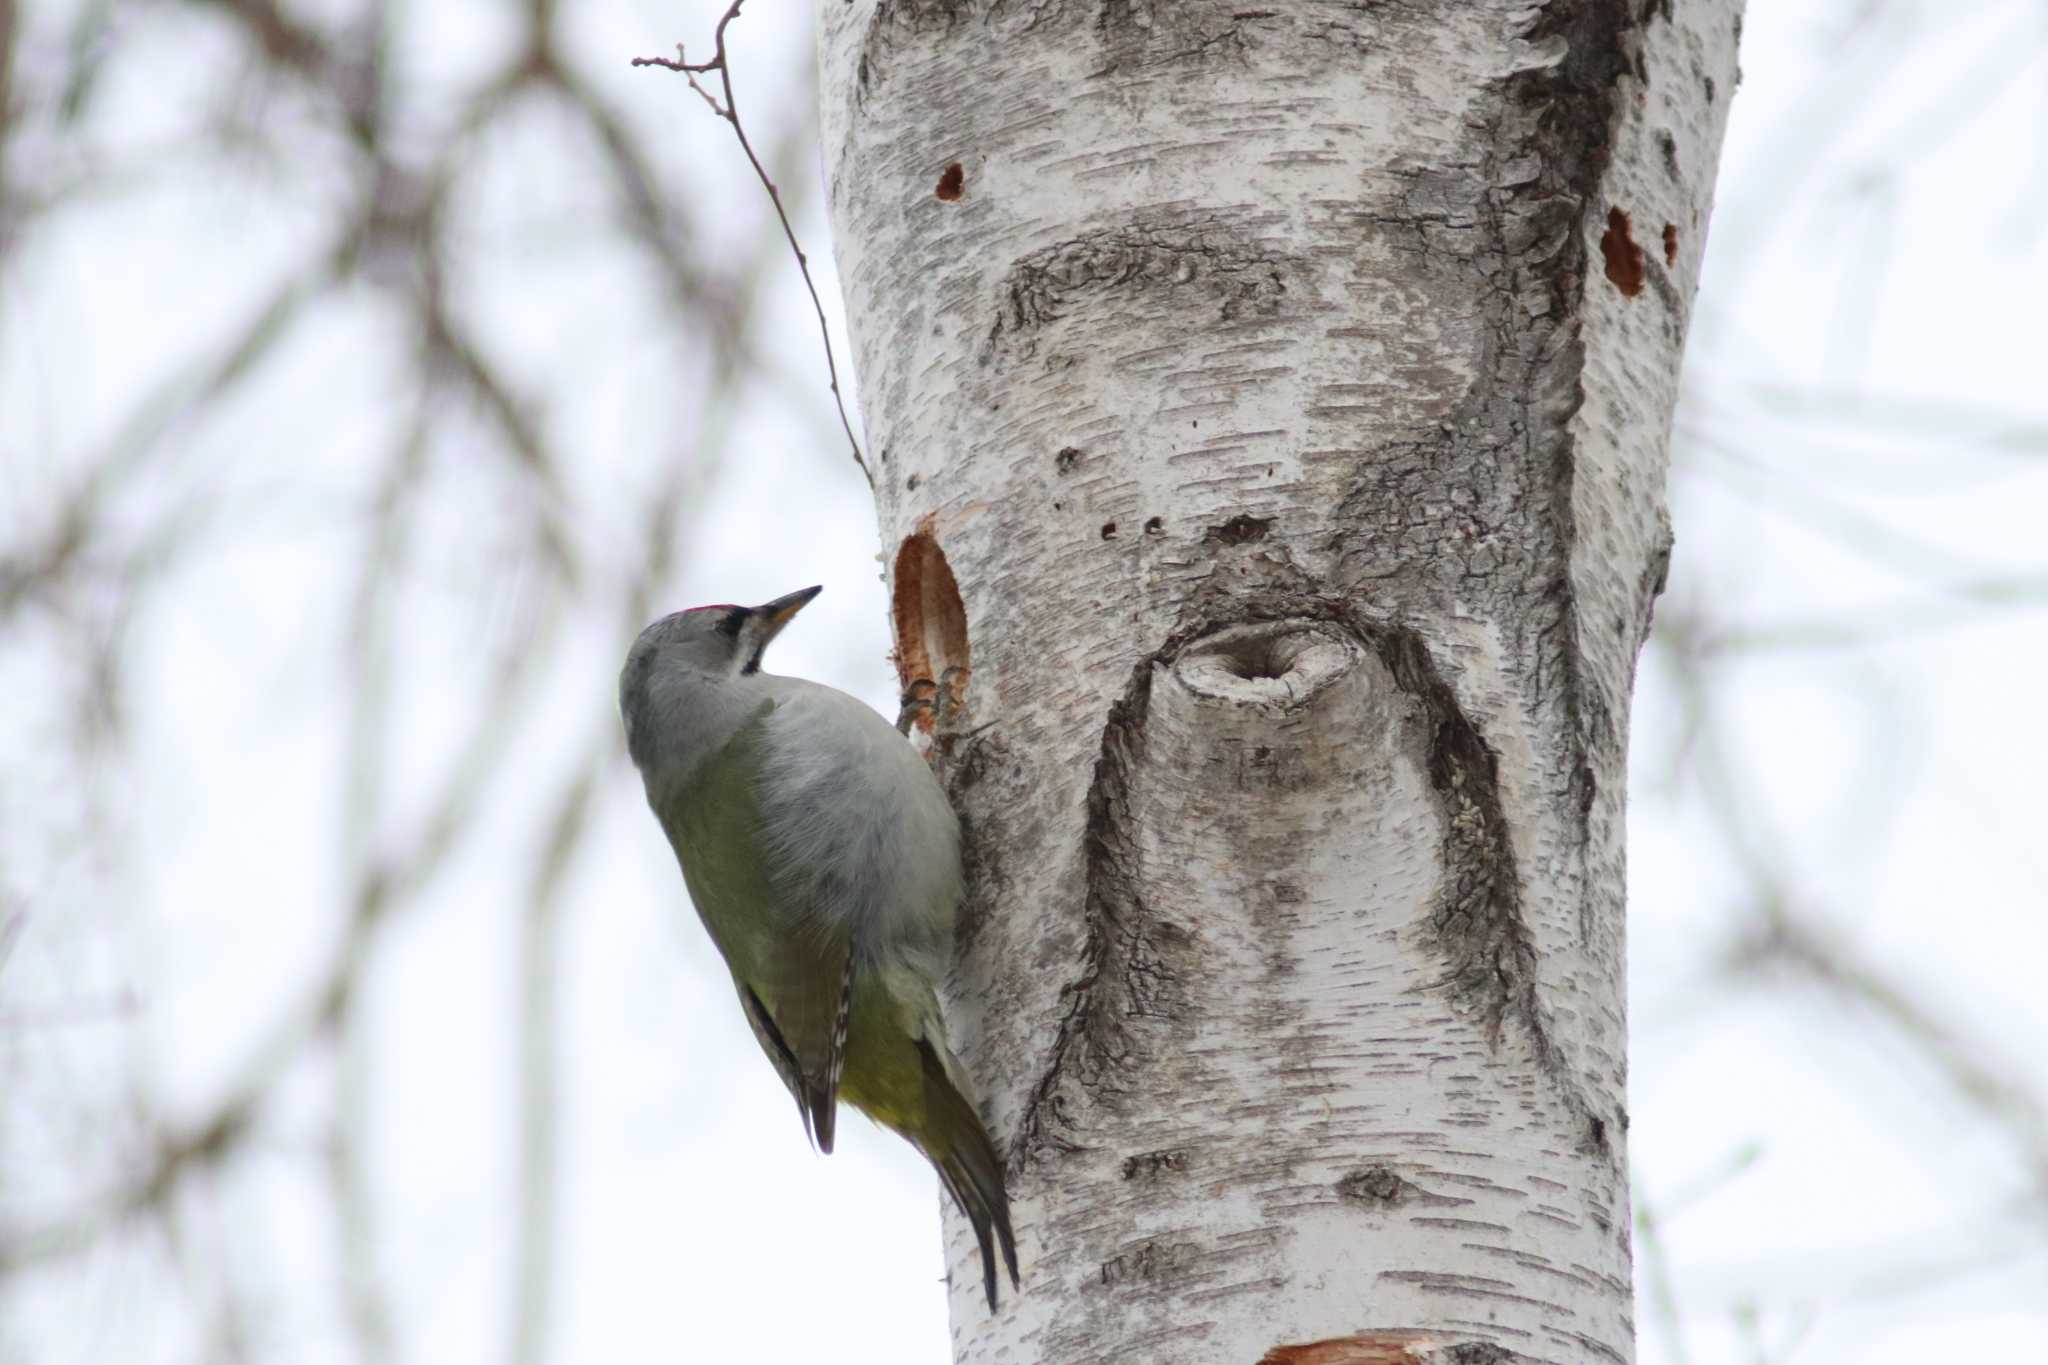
(1780, 941)
(446, 342)
(382, 886)
(1884, 414)
(540, 952)
(1881, 625)
(151, 422)
(1883, 546)
(1777, 937)
(364, 790)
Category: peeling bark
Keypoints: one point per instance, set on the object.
(1279, 401)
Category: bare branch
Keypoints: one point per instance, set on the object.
(729, 111)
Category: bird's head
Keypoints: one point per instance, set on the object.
(682, 663)
(722, 640)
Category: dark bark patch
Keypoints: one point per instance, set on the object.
(894, 21)
(1477, 923)
(1572, 106)
(951, 183)
(1239, 530)
(1478, 1353)
(1624, 257)
(1153, 1165)
(1374, 1185)
(1156, 1259)
(1668, 145)
(1670, 244)
(1150, 34)
(1068, 460)
(1094, 1038)
(1148, 269)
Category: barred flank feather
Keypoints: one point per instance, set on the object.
(835, 1063)
(969, 1168)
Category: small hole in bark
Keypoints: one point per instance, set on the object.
(951, 182)
(930, 619)
(1109, 530)
(1671, 244)
(1068, 457)
(913, 481)
(1259, 656)
(1154, 525)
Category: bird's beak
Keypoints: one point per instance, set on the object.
(778, 612)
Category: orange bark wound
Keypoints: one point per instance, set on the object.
(1366, 1348)
(931, 620)
(1624, 257)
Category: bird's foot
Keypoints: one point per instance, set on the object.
(918, 699)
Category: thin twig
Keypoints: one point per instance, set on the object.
(729, 111)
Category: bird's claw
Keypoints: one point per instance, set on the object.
(940, 700)
(918, 697)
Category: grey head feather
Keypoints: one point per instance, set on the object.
(682, 693)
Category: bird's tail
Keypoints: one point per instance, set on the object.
(968, 1166)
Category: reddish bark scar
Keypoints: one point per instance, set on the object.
(1366, 1348)
(1624, 257)
(951, 182)
(930, 618)
(1671, 244)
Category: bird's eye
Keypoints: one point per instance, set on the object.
(729, 624)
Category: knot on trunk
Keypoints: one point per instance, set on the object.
(1272, 664)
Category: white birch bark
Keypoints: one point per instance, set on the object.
(1286, 391)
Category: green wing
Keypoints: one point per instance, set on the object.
(793, 968)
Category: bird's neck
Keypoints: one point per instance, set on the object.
(696, 715)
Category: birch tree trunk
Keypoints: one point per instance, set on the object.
(1269, 411)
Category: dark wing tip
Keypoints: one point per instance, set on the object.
(960, 1184)
(816, 1102)
(822, 1114)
